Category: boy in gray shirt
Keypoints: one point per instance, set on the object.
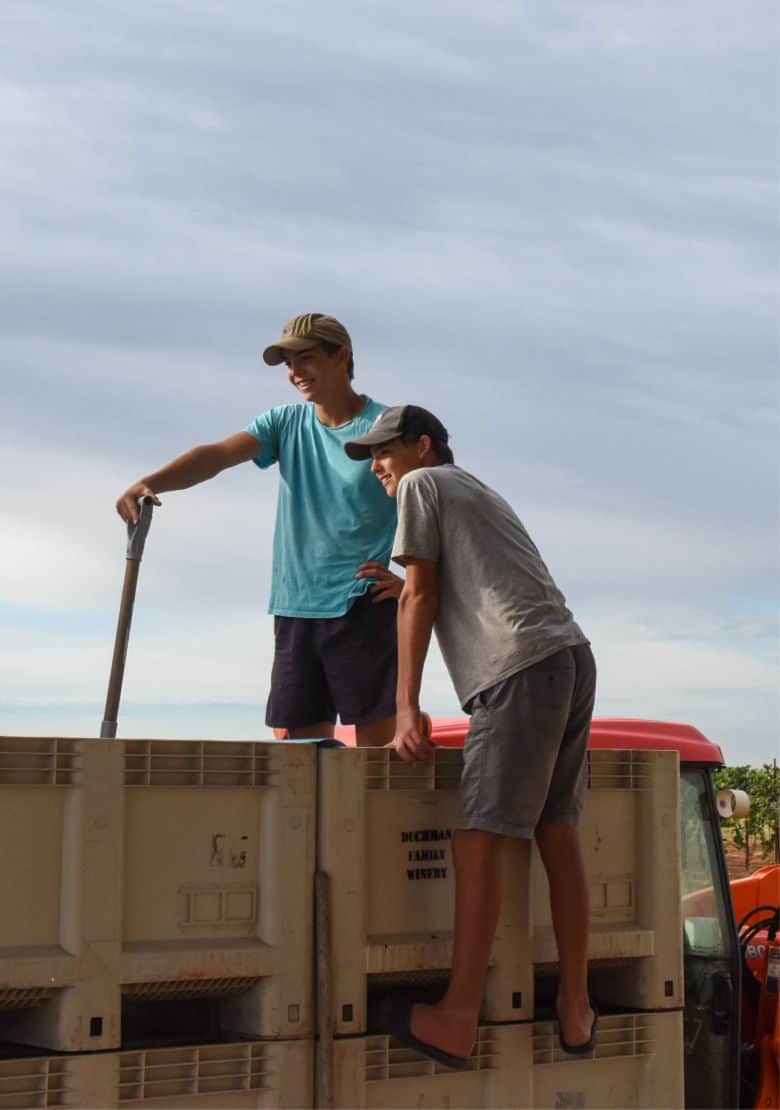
(523, 670)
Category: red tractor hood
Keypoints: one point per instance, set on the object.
(605, 732)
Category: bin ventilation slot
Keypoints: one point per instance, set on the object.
(385, 771)
(32, 1082)
(218, 763)
(189, 988)
(208, 1069)
(20, 998)
(33, 761)
(619, 770)
(619, 1035)
(386, 1059)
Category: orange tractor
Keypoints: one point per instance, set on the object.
(755, 901)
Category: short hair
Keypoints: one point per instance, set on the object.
(331, 348)
(441, 450)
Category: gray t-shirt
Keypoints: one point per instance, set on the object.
(499, 609)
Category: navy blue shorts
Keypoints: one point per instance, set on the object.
(335, 666)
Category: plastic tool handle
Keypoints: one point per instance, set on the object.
(425, 726)
(136, 538)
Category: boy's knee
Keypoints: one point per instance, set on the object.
(556, 838)
(477, 843)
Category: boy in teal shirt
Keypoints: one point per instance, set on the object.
(334, 630)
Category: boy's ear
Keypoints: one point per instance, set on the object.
(423, 446)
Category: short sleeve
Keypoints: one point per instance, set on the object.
(265, 429)
(417, 534)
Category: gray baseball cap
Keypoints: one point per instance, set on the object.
(401, 420)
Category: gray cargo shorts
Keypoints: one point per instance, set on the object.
(524, 759)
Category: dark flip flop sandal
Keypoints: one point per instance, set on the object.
(580, 1049)
(400, 1028)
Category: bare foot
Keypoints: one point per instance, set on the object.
(576, 1022)
(450, 1030)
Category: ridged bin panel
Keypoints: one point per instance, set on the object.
(32, 1083)
(38, 761)
(204, 1070)
(274, 1074)
(378, 1072)
(205, 763)
(638, 1063)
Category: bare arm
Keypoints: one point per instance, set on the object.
(416, 613)
(189, 469)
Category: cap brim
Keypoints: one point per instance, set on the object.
(360, 449)
(357, 452)
(274, 354)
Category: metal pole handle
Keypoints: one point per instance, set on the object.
(136, 538)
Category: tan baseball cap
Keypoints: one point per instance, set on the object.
(305, 331)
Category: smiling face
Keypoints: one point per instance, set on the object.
(317, 375)
(391, 460)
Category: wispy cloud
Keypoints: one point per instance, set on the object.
(555, 224)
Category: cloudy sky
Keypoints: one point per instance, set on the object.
(553, 223)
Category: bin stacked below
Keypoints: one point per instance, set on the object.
(152, 870)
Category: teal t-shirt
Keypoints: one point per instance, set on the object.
(332, 513)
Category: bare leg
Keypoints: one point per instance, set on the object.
(451, 1024)
(375, 735)
(561, 851)
(323, 730)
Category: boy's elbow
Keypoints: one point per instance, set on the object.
(413, 598)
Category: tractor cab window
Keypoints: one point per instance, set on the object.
(712, 976)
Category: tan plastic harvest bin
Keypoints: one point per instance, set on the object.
(154, 869)
(247, 1074)
(218, 864)
(631, 840)
(60, 873)
(385, 840)
(638, 1063)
